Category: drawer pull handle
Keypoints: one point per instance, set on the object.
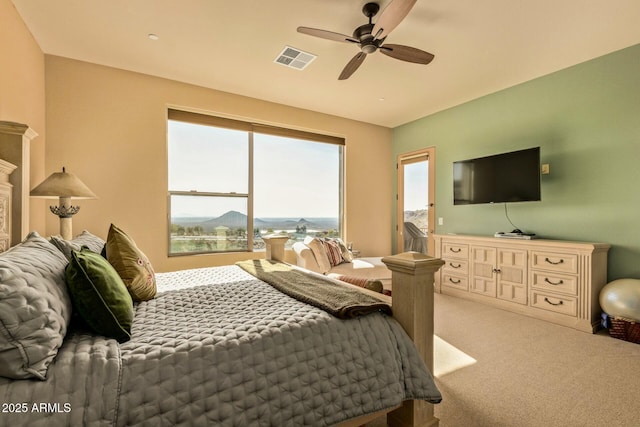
(455, 251)
(560, 282)
(455, 282)
(554, 263)
(553, 303)
(455, 266)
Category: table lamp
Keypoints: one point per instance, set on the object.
(65, 186)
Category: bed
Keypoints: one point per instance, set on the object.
(217, 346)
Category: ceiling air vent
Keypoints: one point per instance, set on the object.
(294, 58)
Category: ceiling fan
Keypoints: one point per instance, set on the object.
(370, 37)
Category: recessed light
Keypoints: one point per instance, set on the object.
(380, 99)
(153, 36)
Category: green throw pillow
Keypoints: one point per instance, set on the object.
(99, 295)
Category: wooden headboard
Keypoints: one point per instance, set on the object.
(6, 190)
(15, 148)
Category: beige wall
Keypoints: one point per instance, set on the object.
(22, 93)
(108, 126)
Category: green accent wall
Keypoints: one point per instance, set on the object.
(586, 119)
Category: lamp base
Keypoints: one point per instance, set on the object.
(66, 228)
(65, 211)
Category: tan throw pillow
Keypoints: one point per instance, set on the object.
(319, 252)
(132, 265)
(347, 256)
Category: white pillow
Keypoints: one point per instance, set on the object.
(319, 252)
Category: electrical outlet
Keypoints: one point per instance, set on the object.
(440, 221)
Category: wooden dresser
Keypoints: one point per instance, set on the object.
(554, 280)
(6, 190)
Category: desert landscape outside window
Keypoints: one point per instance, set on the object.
(231, 182)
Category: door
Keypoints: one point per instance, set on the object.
(512, 277)
(483, 270)
(415, 208)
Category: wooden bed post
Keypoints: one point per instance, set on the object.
(412, 300)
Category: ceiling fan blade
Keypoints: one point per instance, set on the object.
(352, 66)
(391, 16)
(329, 35)
(407, 53)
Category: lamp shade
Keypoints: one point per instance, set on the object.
(63, 184)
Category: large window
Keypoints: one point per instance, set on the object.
(231, 182)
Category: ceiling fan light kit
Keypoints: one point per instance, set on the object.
(371, 37)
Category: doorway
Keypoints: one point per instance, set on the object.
(416, 194)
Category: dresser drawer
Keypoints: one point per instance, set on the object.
(456, 266)
(551, 261)
(556, 303)
(555, 282)
(455, 250)
(453, 281)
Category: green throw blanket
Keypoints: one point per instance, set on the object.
(340, 301)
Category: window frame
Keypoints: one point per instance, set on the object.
(197, 118)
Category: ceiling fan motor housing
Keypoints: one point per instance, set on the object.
(367, 43)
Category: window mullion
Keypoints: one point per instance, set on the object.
(250, 198)
(206, 193)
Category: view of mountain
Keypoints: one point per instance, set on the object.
(235, 219)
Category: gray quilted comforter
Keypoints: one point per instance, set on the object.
(219, 347)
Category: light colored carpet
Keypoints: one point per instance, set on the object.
(496, 368)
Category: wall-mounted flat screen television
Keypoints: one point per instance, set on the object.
(501, 178)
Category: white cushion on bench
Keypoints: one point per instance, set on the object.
(371, 268)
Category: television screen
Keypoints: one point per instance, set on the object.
(501, 178)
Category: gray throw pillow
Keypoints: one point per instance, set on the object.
(35, 308)
(84, 239)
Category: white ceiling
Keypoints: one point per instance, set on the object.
(480, 47)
